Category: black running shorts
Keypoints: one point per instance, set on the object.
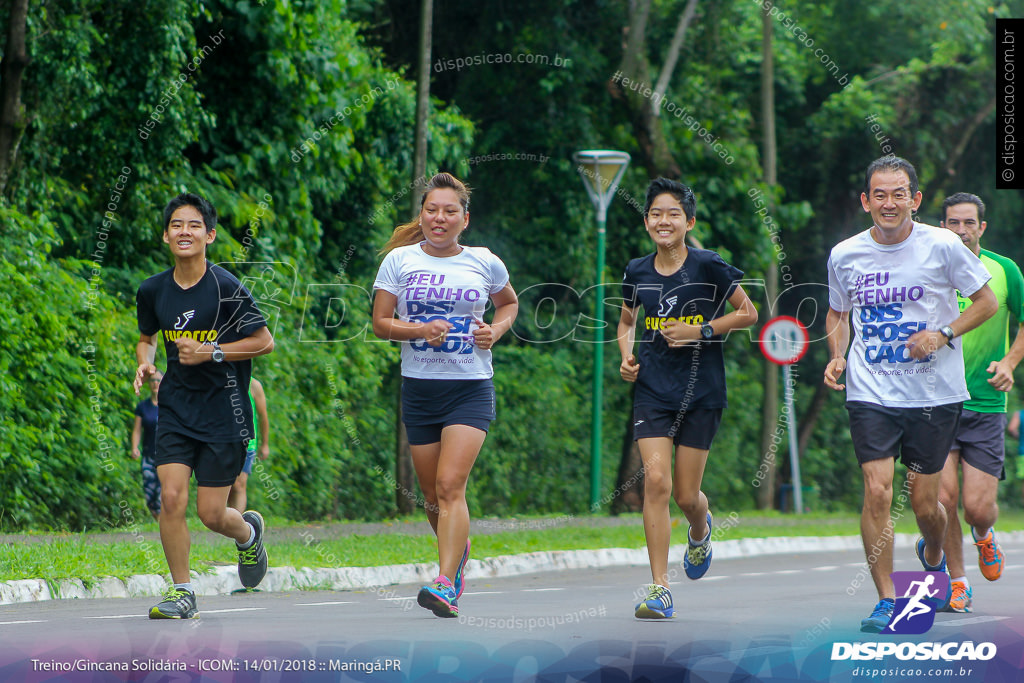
(214, 464)
(430, 405)
(694, 428)
(919, 437)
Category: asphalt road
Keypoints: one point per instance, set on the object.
(771, 618)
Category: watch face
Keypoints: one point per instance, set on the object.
(706, 331)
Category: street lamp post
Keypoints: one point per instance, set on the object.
(601, 170)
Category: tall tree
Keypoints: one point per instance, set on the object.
(770, 382)
(644, 109)
(11, 69)
(403, 456)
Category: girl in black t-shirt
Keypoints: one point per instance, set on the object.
(680, 376)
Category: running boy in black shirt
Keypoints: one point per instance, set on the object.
(680, 379)
(211, 329)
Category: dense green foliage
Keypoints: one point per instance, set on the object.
(296, 120)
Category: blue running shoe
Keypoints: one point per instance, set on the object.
(658, 604)
(460, 573)
(697, 559)
(439, 597)
(941, 567)
(880, 617)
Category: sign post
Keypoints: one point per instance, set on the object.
(784, 341)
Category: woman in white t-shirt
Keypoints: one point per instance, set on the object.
(439, 290)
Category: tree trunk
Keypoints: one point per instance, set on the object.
(419, 162)
(652, 146)
(770, 382)
(12, 67)
(404, 473)
(810, 418)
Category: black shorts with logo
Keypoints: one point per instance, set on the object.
(919, 437)
(693, 428)
(214, 464)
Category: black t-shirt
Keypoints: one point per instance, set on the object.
(692, 376)
(209, 401)
(150, 414)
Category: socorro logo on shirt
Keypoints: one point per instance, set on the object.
(198, 335)
(655, 323)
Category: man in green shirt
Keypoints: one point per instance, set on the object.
(989, 361)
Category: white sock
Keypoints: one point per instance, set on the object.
(185, 586)
(978, 537)
(962, 579)
(252, 537)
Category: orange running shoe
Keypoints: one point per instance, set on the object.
(961, 601)
(990, 556)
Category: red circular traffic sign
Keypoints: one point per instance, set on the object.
(784, 340)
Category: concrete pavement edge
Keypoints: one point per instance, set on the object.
(224, 580)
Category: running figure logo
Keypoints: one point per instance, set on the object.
(922, 593)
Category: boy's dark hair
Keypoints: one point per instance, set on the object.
(963, 198)
(682, 193)
(204, 207)
(890, 163)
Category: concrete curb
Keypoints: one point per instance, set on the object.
(224, 580)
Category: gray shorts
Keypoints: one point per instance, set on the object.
(981, 442)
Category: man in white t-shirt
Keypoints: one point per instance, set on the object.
(899, 280)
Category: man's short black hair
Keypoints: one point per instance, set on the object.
(963, 198)
(890, 163)
(204, 207)
(682, 193)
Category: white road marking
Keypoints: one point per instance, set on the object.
(540, 590)
(24, 621)
(120, 616)
(315, 604)
(826, 568)
(970, 620)
(483, 592)
(234, 609)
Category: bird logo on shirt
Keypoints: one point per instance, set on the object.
(666, 306)
(179, 324)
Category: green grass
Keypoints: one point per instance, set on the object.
(87, 557)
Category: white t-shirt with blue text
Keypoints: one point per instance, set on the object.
(454, 288)
(893, 291)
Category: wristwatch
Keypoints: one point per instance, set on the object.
(949, 334)
(706, 332)
(218, 353)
